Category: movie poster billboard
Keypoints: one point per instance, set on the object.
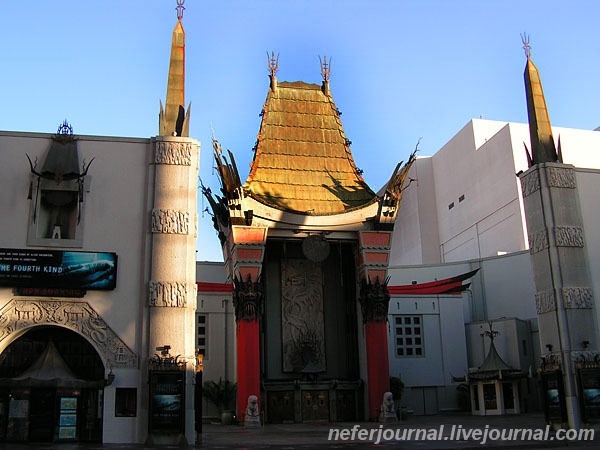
(58, 269)
(554, 396)
(590, 386)
(167, 412)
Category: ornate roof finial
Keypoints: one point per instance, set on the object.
(180, 8)
(65, 128)
(325, 67)
(491, 333)
(526, 46)
(272, 63)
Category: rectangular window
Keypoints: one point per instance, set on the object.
(408, 332)
(201, 334)
(461, 198)
(451, 205)
(125, 402)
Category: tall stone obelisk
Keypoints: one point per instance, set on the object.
(172, 286)
(564, 295)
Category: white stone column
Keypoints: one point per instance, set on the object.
(172, 285)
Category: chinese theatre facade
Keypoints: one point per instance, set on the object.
(306, 245)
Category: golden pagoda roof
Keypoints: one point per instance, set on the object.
(302, 161)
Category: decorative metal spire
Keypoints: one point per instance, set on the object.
(180, 8)
(173, 119)
(325, 67)
(491, 333)
(540, 130)
(65, 128)
(272, 63)
(526, 46)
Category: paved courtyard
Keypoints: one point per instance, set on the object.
(453, 431)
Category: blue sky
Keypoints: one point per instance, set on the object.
(401, 69)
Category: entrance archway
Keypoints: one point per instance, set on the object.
(51, 387)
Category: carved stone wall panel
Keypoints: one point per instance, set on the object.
(171, 294)
(551, 361)
(174, 153)
(569, 236)
(538, 241)
(545, 301)
(18, 315)
(586, 359)
(577, 298)
(302, 321)
(170, 221)
(530, 183)
(561, 177)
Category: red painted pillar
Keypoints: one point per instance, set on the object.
(248, 364)
(378, 366)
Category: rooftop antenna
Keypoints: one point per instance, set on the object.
(526, 46)
(180, 8)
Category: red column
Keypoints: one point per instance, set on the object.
(378, 366)
(248, 364)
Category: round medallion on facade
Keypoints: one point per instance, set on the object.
(315, 248)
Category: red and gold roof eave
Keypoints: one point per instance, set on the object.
(269, 216)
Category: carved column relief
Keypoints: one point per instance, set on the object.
(530, 183)
(170, 221)
(538, 241)
(170, 294)
(569, 236)
(174, 153)
(545, 301)
(561, 177)
(577, 298)
(78, 316)
(247, 298)
(374, 300)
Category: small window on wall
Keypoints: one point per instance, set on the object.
(408, 334)
(125, 402)
(201, 334)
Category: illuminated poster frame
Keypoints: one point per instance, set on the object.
(589, 382)
(28, 268)
(167, 401)
(554, 396)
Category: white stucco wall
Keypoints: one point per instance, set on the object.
(415, 239)
(480, 163)
(115, 219)
(588, 181)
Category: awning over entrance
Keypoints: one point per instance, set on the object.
(50, 370)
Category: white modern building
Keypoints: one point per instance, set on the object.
(466, 202)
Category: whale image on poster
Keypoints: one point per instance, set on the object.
(55, 268)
